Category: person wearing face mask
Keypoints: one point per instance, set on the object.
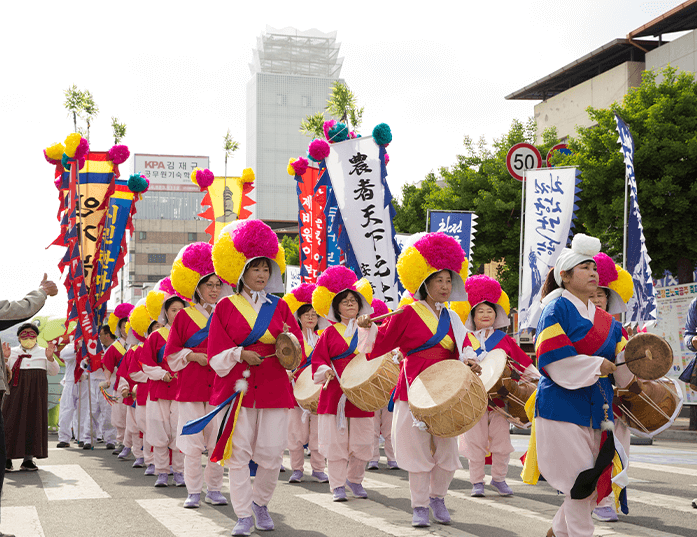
(25, 409)
(113, 357)
(345, 431)
(577, 345)
(242, 349)
(488, 312)
(161, 411)
(302, 425)
(434, 269)
(193, 277)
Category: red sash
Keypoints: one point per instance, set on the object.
(15, 368)
(597, 335)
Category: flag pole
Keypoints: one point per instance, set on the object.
(520, 256)
(624, 229)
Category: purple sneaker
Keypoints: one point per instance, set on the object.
(162, 480)
(502, 488)
(478, 490)
(179, 479)
(192, 501)
(392, 465)
(139, 462)
(320, 476)
(244, 526)
(150, 470)
(420, 518)
(357, 489)
(605, 514)
(296, 476)
(263, 520)
(440, 512)
(215, 497)
(373, 465)
(125, 452)
(340, 494)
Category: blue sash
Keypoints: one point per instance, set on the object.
(441, 332)
(161, 353)
(308, 361)
(261, 325)
(351, 349)
(491, 342)
(199, 336)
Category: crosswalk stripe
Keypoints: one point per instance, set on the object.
(21, 521)
(368, 483)
(664, 501)
(662, 468)
(465, 476)
(69, 482)
(187, 522)
(390, 521)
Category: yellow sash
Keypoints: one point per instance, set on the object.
(247, 311)
(340, 329)
(474, 342)
(119, 347)
(196, 316)
(531, 472)
(164, 332)
(427, 317)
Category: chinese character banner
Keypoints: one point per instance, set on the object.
(641, 308)
(550, 207)
(312, 224)
(356, 169)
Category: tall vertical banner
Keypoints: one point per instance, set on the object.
(460, 225)
(641, 308)
(331, 213)
(312, 224)
(356, 169)
(550, 207)
(226, 200)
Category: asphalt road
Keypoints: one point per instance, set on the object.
(91, 493)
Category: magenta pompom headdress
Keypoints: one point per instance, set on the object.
(481, 289)
(301, 296)
(192, 264)
(243, 241)
(616, 280)
(122, 311)
(333, 281)
(379, 308)
(430, 253)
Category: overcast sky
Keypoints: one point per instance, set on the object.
(176, 74)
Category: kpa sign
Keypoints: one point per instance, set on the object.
(169, 172)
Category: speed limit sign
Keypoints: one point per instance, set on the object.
(521, 157)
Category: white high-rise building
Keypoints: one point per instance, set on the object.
(292, 76)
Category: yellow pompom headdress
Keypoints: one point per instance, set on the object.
(462, 308)
(300, 296)
(617, 280)
(157, 298)
(243, 241)
(430, 253)
(140, 322)
(481, 289)
(193, 263)
(333, 281)
(122, 311)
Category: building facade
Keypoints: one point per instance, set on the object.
(292, 76)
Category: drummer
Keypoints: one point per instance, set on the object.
(576, 348)
(383, 417)
(302, 424)
(345, 431)
(615, 289)
(488, 314)
(433, 268)
(186, 352)
(244, 329)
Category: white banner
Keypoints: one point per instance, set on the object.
(292, 277)
(550, 194)
(355, 170)
(169, 172)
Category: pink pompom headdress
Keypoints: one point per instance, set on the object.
(333, 281)
(616, 280)
(481, 289)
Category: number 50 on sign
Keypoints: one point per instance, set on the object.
(521, 157)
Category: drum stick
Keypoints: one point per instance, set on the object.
(647, 354)
(386, 315)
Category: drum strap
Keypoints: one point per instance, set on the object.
(261, 325)
(441, 332)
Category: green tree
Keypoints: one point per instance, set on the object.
(291, 246)
(479, 181)
(662, 117)
(118, 130)
(230, 145)
(90, 110)
(341, 105)
(73, 103)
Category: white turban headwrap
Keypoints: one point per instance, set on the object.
(583, 248)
